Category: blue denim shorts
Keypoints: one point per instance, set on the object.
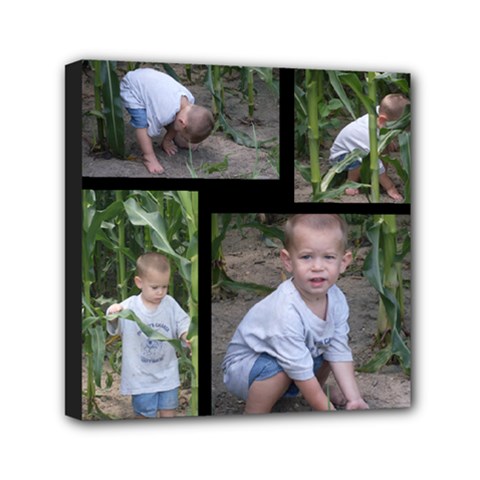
(266, 367)
(352, 166)
(147, 404)
(138, 117)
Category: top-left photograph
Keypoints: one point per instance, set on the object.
(142, 119)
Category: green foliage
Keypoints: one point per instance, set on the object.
(108, 107)
(338, 94)
(383, 268)
(117, 227)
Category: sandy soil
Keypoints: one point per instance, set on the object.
(217, 157)
(115, 406)
(248, 258)
(303, 189)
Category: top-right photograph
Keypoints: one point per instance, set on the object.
(352, 136)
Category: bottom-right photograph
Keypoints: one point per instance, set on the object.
(310, 312)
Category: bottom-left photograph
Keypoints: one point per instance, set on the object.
(139, 304)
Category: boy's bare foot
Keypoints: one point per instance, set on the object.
(152, 164)
(393, 193)
(351, 191)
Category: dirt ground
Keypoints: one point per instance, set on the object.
(248, 258)
(303, 189)
(217, 157)
(116, 406)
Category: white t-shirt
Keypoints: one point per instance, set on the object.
(156, 92)
(149, 366)
(353, 135)
(283, 326)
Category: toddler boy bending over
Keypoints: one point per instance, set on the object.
(291, 340)
(156, 101)
(356, 135)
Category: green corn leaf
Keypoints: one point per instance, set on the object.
(98, 350)
(338, 87)
(138, 216)
(113, 108)
(352, 80)
(248, 286)
(305, 171)
(171, 72)
(340, 167)
(398, 167)
(149, 331)
(400, 349)
(336, 192)
(96, 220)
(386, 137)
(216, 167)
(378, 361)
(371, 268)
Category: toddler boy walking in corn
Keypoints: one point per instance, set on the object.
(291, 340)
(150, 367)
(156, 101)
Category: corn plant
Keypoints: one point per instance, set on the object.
(125, 224)
(221, 224)
(108, 107)
(383, 268)
(313, 79)
(351, 92)
(399, 130)
(216, 85)
(313, 115)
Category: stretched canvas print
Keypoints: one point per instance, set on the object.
(238, 240)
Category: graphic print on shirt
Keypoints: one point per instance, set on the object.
(153, 351)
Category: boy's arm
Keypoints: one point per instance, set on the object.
(112, 325)
(168, 144)
(313, 394)
(345, 377)
(183, 338)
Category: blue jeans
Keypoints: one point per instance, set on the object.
(266, 367)
(352, 166)
(138, 117)
(147, 404)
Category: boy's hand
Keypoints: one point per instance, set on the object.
(359, 404)
(169, 147)
(187, 342)
(115, 308)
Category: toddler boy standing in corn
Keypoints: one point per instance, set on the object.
(150, 367)
(356, 135)
(156, 101)
(291, 340)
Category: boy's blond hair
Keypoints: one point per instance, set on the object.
(393, 105)
(200, 123)
(152, 261)
(317, 221)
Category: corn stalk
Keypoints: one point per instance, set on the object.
(127, 224)
(312, 79)
(372, 133)
(383, 268)
(108, 107)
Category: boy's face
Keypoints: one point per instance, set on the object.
(154, 287)
(316, 260)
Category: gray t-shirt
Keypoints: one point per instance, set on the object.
(149, 366)
(156, 92)
(283, 326)
(353, 135)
